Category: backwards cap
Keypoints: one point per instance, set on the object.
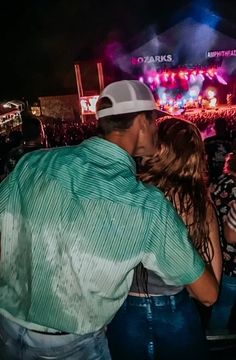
(128, 96)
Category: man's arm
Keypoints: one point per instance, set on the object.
(230, 224)
(171, 254)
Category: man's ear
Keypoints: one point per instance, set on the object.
(142, 122)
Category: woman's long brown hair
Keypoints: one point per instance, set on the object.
(178, 169)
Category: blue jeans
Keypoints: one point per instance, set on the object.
(159, 327)
(222, 310)
(18, 343)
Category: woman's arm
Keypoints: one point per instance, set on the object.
(230, 234)
(230, 225)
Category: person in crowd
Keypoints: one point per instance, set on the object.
(223, 195)
(33, 139)
(160, 321)
(74, 223)
(15, 138)
(230, 225)
(4, 150)
(217, 147)
(7, 143)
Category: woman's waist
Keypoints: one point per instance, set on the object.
(140, 299)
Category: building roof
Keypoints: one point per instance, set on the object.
(188, 42)
(197, 13)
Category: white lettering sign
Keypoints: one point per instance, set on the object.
(221, 53)
(151, 59)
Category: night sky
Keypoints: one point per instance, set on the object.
(41, 40)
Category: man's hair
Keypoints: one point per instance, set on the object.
(121, 122)
(31, 127)
(221, 127)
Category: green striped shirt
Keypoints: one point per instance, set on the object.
(74, 223)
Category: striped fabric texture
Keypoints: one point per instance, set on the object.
(231, 216)
(74, 223)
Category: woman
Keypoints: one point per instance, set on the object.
(224, 197)
(158, 321)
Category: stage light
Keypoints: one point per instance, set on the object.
(221, 80)
(141, 79)
(201, 77)
(209, 76)
(150, 79)
(163, 99)
(212, 72)
(165, 76)
(186, 75)
(193, 78)
(157, 79)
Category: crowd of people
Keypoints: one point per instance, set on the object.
(112, 248)
(210, 115)
(60, 132)
(56, 133)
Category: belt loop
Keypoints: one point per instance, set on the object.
(21, 333)
(173, 303)
(125, 305)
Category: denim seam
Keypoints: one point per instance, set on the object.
(150, 329)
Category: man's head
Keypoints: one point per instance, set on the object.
(221, 127)
(32, 129)
(126, 111)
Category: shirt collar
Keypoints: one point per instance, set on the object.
(109, 150)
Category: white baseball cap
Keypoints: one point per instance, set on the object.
(128, 96)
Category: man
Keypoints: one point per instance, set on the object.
(74, 224)
(223, 314)
(224, 197)
(230, 225)
(33, 139)
(217, 147)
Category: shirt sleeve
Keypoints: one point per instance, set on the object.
(170, 252)
(5, 190)
(231, 216)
